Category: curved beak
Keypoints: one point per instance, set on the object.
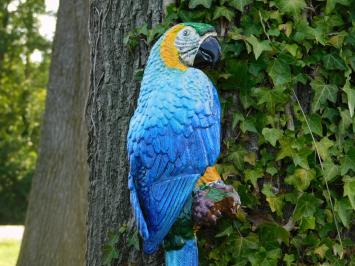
(208, 54)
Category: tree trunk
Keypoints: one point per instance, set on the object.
(55, 230)
(112, 100)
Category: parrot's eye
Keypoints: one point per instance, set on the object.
(185, 33)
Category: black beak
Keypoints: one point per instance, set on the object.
(209, 53)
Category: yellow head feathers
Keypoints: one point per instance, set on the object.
(190, 45)
(169, 52)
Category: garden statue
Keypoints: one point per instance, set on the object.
(173, 144)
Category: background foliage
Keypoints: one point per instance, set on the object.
(22, 94)
(286, 83)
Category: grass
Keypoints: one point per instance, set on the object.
(9, 249)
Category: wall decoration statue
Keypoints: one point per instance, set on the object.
(173, 144)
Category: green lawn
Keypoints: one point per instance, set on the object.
(9, 249)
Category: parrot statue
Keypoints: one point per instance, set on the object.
(174, 139)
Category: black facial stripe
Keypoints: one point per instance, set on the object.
(188, 50)
(182, 43)
(189, 53)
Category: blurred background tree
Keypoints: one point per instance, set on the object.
(24, 63)
(55, 231)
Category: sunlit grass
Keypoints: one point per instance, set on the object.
(10, 241)
(9, 249)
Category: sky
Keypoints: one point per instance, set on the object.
(47, 23)
(47, 26)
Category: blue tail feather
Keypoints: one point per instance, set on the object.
(186, 256)
(138, 215)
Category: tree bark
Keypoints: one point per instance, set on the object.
(112, 100)
(55, 229)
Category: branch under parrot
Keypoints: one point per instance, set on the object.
(212, 201)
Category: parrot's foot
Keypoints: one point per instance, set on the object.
(211, 175)
(213, 201)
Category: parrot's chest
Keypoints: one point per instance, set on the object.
(172, 96)
(169, 126)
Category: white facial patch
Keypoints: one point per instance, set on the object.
(187, 42)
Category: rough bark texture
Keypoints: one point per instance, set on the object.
(112, 100)
(55, 230)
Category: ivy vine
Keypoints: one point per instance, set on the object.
(286, 83)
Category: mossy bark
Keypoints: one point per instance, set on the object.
(112, 100)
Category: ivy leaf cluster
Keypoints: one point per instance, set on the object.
(287, 87)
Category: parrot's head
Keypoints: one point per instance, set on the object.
(190, 45)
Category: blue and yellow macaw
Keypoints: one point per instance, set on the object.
(174, 135)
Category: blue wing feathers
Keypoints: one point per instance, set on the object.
(168, 207)
(138, 215)
(174, 136)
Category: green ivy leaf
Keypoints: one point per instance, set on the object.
(333, 62)
(226, 170)
(343, 208)
(275, 202)
(272, 135)
(300, 158)
(331, 170)
(289, 259)
(239, 4)
(248, 125)
(265, 257)
(286, 28)
(350, 93)
(331, 5)
(286, 149)
(349, 189)
(222, 11)
(109, 250)
(253, 174)
(348, 162)
(291, 6)
(273, 232)
(195, 3)
(315, 123)
(133, 241)
(323, 92)
(226, 232)
(237, 158)
(306, 206)
(279, 72)
(323, 146)
(292, 49)
(237, 117)
(258, 46)
(345, 121)
(109, 254)
(308, 223)
(245, 244)
(250, 158)
(338, 250)
(338, 39)
(271, 170)
(216, 194)
(321, 250)
(270, 97)
(301, 178)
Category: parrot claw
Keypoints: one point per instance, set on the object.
(212, 201)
